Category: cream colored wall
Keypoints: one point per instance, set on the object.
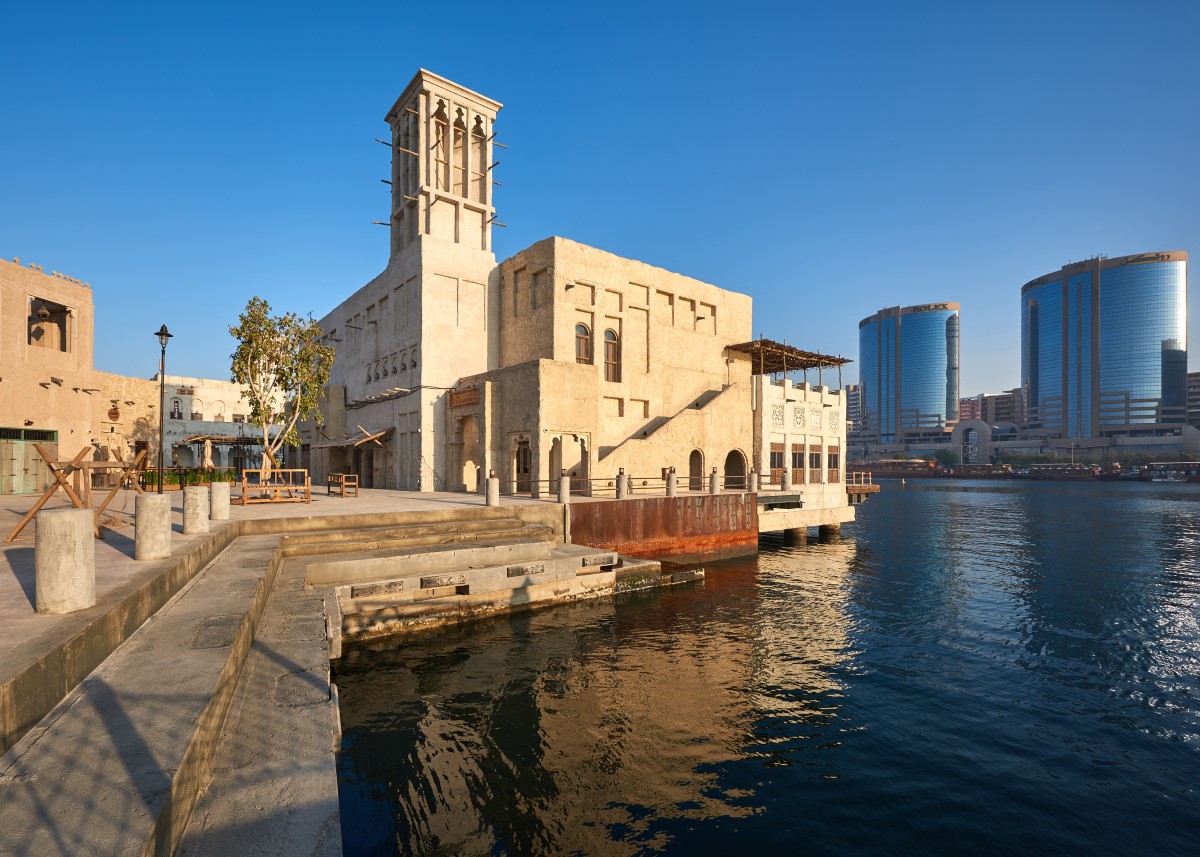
(28, 392)
(786, 413)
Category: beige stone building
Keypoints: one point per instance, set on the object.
(48, 389)
(51, 393)
(563, 357)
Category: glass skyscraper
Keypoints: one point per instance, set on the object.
(1104, 347)
(908, 372)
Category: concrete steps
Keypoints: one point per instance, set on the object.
(115, 768)
(410, 600)
(374, 539)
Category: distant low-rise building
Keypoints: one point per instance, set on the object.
(970, 408)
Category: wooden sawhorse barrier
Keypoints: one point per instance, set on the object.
(76, 466)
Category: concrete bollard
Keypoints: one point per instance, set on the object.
(218, 501)
(152, 526)
(672, 483)
(753, 487)
(64, 561)
(564, 488)
(785, 481)
(195, 509)
(714, 482)
(492, 498)
(622, 484)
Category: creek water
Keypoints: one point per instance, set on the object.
(971, 667)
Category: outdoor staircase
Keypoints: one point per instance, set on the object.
(658, 423)
(397, 580)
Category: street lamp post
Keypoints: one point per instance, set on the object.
(163, 335)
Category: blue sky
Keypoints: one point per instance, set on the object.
(828, 159)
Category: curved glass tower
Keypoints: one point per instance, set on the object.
(1104, 347)
(908, 371)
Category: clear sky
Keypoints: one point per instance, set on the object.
(828, 159)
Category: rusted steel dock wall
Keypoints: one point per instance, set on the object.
(696, 526)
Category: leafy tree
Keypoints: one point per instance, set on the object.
(284, 366)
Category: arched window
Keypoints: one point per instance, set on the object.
(176, 409)
(612, 356)
(583, 344)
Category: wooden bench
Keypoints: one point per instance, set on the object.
(276, 486)
(342, 482)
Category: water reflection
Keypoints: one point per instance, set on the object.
(1004, 665)
(586, 729)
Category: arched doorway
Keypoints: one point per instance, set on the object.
(696, 471)
(735, 471)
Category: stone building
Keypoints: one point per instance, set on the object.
(800, 431)
(48, 392)
(563, 357)
(51, 393)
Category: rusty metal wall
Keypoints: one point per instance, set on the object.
(694, 525)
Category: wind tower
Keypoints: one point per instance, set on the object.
(442, 162)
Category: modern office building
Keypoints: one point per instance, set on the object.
(1104, 348)
(908, 373)
(1193, 399)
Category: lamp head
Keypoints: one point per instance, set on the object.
(163, 335)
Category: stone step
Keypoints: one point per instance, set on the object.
(399, 545)
(426, 560)
(380, 538)
(571, 572)
(115, 767)
(562, 563)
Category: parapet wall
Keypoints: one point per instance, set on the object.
(699, 526)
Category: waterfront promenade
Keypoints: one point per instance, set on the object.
(213, 655)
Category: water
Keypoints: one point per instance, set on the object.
(973, 668)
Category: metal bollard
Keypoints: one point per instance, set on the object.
(218, 501)
(195, 509)
(152, 526)
(785, 481)
(753, 487)
(492, 498)
(64, 561)
(564, 488)
(672, 483)
(714, 482)
(622, 484)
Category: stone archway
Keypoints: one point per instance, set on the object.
(972, 440)
(735, 471)
(696, 471)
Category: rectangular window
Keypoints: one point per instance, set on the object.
(797, 464)
(776, 463)
(47, 325)
(833, 464)
(814, 463)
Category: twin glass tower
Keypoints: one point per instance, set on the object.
(1103, 354)
(1104, 347)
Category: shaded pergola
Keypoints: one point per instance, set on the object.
(768, 357)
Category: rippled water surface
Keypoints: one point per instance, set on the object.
(1006, 668)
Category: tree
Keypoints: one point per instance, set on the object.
(284, 367)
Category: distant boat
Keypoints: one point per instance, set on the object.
(1064, 471)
